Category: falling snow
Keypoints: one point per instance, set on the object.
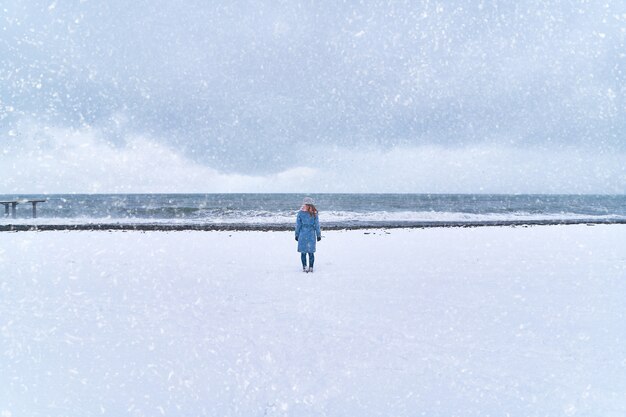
(256, 91)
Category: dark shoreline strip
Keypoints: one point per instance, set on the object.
(148, 227)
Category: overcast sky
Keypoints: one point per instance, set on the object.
(312, 96)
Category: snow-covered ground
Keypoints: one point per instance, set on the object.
(436, 322)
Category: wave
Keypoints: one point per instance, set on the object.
(261, 217)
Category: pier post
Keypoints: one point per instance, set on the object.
(14, 203)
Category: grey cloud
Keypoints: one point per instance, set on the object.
(242, 86)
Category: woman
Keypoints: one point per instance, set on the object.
(307, 232)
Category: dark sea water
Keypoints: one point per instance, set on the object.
(335, 209)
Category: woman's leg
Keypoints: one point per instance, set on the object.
(303, 258)
(311, 259)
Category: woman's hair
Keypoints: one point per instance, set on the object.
(310, 208)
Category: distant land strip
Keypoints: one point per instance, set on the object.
(148, 227)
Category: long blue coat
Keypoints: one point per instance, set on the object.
(307, 231)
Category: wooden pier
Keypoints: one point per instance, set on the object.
(13, 205)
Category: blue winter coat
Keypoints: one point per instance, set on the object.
(307, 231)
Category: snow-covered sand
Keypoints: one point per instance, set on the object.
(500, 321)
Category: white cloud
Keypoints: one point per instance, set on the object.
(482, 168)
(55, 160)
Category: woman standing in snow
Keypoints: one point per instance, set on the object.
(307, 232)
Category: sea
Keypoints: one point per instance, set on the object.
(277, 211)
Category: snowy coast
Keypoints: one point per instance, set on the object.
(169, 226)
(520, 321)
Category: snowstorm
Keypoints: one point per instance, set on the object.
(430, 96)
(312, 208)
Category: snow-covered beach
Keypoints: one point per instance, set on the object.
(520, 321)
